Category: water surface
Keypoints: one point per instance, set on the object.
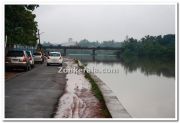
(145, 87)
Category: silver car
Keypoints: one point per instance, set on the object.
(38, 57)
(17, 59)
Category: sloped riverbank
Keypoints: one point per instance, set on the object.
(79, 100)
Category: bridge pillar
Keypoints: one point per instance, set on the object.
(93, 58)
(94, 52)
(64, 51)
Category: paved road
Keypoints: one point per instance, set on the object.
(34, 94)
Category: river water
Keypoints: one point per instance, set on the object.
(146, 88)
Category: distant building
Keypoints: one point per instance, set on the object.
(70, 40)
(72, 43)
(47, 44)
(69, 43)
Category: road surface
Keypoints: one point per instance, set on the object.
(34, 94)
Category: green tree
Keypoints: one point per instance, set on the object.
(20, 24)
(150, 46)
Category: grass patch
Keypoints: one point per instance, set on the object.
(77, 62)
(97, 93)
(95, 87)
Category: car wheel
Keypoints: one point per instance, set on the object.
(60, 64)
(29, 68)
(47, 64)
(26, 68)
(7, 69)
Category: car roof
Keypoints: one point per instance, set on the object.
(54, 52)
(15, 50)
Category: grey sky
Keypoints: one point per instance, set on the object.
(103, 22)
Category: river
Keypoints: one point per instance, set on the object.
(146, 88)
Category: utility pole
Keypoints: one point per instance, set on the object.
(39, 37)
(39, 44)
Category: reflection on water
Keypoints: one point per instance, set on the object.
(146, 66)
(145, 87)
(100, 58)
(150, 66)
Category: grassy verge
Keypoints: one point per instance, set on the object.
(96, 91)
(77, 62)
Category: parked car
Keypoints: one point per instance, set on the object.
(38, 57)
(31, 59)
(17, 59)
(54, 58)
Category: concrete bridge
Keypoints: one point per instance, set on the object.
(81, 48)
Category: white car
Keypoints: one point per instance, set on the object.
(38, 57)
(54, 58)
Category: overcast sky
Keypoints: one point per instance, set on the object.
(103, 22)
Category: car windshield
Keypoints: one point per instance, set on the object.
(54, 54)
(37, 54)
(28, 53)
(15, 54)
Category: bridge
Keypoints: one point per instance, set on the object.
(82, 48)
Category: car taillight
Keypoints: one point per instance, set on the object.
(24, 59)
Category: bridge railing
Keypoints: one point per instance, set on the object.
(65, 48)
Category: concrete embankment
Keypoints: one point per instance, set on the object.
(114, 106)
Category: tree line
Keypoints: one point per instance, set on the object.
(87, 43)
(149, 47)
(20, 24)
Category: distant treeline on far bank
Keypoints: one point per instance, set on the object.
(150, 47)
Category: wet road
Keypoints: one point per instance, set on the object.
(34, 94)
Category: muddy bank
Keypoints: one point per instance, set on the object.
(78, 100)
